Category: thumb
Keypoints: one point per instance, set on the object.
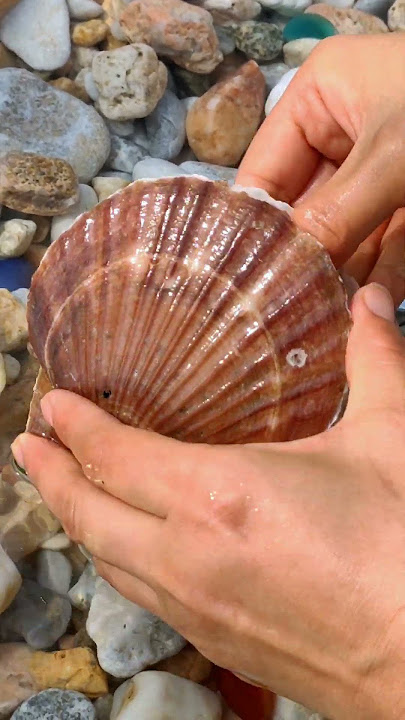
(375, 359)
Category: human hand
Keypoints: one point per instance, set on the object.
(282, 562)
(334, 147)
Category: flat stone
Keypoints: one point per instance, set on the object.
(258, 40)
(56, 705)
(279, 90)
(222, 123)
(10, 581)
(13, 323)
(38, 34)
(16, 681)
(81, 594)
(166, 127)
(128, 638)
(162, 696)
(87, 200)
(124, 154)
(16, 237)
(54, 571)
(349, 21)
(296, 52)
(308, 25)
(37, 118)
(84, 9)
(36, 184)
(176, 30)
(131, 80)
(12, 367)
(89, 33)
(106, 186)
(212, 172)
(73, 669)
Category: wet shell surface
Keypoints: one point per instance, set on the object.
(184, 307)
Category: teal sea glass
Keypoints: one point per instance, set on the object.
(308, 26)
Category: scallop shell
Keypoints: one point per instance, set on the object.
(184, 307)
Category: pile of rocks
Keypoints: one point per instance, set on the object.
(94, 94)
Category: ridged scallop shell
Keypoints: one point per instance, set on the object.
(184, 307)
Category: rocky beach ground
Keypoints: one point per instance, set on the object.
(94, 95)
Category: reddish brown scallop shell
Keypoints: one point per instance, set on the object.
(184, 307)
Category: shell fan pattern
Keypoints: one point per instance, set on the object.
(184, 307)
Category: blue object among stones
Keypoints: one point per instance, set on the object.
(15, 273)
(308, 26)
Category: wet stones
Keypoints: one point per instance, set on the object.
(54, 571)
(37, 118)
(34, 184)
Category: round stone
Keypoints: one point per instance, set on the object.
(15, 273)
(259, 41)
(308, 26)
(56, 705)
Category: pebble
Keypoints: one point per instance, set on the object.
(226, 39)
(153, 168)
(10, 580)
(188, 664)
(12, 368)
(16, 237)
(56, 705)
(122, 128)
(87, 200)
(128, 638)
(349, 21)
(85, 81)
(84, 9)
(287, 7)
(375, 7)
(224, 11)
(22, 295)
(103, 707)
(190, 83)
(13, 323)
(179, 31)
(36, 184)
(124, 154)
(396, 16)
(38, 35)
(16, 681)
(166, 127)
(273, 73)
(72, 669)
(37, 614)
(89, 33)
(161, 696)
(210, 171)
(188, 103)
(289, 710)
(308, 25)
(83, 57)
(228, 67)
(279, 90)
(131, 80)
(71, 87)
(106, 186)
(297, 51)
(54, 571)
(69, 128)
(222, 123)
(81, 594)
(3, 376)
(60, 541)
(259, 41)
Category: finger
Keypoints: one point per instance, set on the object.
(325, 170)
(361, 264)
(375, 355)
(389, 269)
(142, 468)
(129, 586)
(108, 527)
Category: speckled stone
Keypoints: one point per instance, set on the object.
(56, 705)
(259, 41)
(308, 26)
(34, 117)
(349, 21)
(35, 184)
(166, 127)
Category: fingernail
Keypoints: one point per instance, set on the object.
(46, 408)
(17, 448)
(379, 301)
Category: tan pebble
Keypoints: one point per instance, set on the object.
(69, 86)
(348, 21)
(43, 228)
(71, 669)
(13, 323)
(221, 124)
(396, 17)
(89, 33)
(35, 253)
(188, 663)
(16, 681)
(7, 59)
(36, 184)
(112, 43)
(106, 186)
(15, 237)
(10, 581)
(175, 29)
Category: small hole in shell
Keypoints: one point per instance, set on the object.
(106, 394)
(297, 357)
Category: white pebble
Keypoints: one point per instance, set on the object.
(290, 710)
(162, 696)
(151, 168)
(296, 51)
(38, 33)
(60, 541)
(54, 571)
(81, 594)
(10, 580)
(82, 57)
(12, 368)
(84, 9)
(61, 223)
(15, 237)
(90, 86)
(279, 90)
(106, 186)
(13, 323)
(21, 294)
(287, 7)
